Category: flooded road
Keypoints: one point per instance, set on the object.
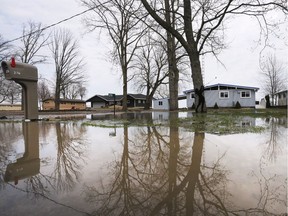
(143, 164)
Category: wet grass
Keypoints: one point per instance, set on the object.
(219, 121)
(228, 121)
(220, 124)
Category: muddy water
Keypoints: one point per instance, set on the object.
(140, 165)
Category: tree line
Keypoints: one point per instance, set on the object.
(155, 45)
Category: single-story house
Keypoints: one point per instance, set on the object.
(101, 101)
(65, 104)
(163, 103)
(10, 107)
(224, 95)
(281, 98)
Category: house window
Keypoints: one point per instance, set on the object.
(192, 95)
(160, 103)
(245, 94)
(223, 94)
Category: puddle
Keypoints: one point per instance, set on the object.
(140, 164)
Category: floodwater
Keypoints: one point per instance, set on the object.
(140, 165)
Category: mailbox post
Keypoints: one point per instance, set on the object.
(27, 76)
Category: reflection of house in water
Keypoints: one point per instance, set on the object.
(160, 116)
(29, 164)
(120, 116)
(164, 115)
(247, 122)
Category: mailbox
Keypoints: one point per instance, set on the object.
(19, 71)
(27, 76)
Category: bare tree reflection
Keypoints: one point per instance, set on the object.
(162, 173)
(10, 133)
(70, 155)
(274, 144)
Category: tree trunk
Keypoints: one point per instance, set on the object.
(124, 101)
(57, 95)
(200, 103)
(171, 53)
(173, 73)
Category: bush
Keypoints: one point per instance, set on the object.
(193, 106)
(216, 106)
(238, 105)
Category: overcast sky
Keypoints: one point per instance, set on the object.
(241, 58)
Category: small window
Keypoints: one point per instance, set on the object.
(223, 94)
(192, 95)
(245, 94)
(160, 103)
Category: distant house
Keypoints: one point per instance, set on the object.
(281, 98)
(10, 107)
(136, 100)
(65, 104)
(101, 101)
(163, 103)
(225, 95)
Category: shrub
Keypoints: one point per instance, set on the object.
(238, 105)
(216, 106)
(193, 106)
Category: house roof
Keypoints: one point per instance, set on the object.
(105, 98)
(231, 86)
(280, 92)
(109, 98)
(138, 96)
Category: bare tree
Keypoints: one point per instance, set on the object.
(118, 18)
(76, 90)
(7, 87)
(33, 39)
(43, 91)
(9, 91)
(203, 26)
(170, 18)
(5, 49)
(82, 91)
(68, 65)
(151, 66)
(274, 79)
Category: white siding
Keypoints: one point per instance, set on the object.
(161, 104)
(282, 98)
(213, 96)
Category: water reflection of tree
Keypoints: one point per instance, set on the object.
(9, 134)
(273, 144)
(70, 155)
(157, 175)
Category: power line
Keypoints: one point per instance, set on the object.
(47, 27)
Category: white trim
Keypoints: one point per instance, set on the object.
(223, 91)
(245, 94)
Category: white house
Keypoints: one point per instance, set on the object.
(161, 104)
(225, 95)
